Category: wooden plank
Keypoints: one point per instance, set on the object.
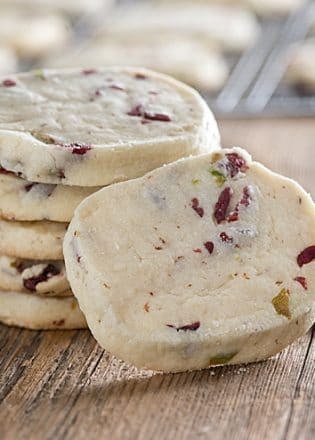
(62, 385)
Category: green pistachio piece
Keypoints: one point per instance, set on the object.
(196, 181)
(219, 177)
(45, 138)
(281, 303)
(39, 73)
(222, 359)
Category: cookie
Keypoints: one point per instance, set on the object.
(32, 240)
(95, 127)
(74, 8)
(206, 68)
(301, 70)
(30, 201)
(208, 23)
(260, 7)
(8, 61)
(41, 277)
(31, 33)
(37, 313)
(197, 265)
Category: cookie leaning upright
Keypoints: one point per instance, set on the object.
(203, 262)
(96, 127)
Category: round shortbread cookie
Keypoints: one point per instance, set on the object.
(95, 127)
(32, 240)
(206, 68)
(229, 29)
(261, 7)
(38, 313)
(196, 263)
(8, 61)
(42, 277)
(301, 70)
(29, 201)
(31, 33)
(71, 7)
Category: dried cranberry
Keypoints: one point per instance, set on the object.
(222, 205)
(193, 327)
(306, 256)
(29, 186)
(246, 199)
(195, 206)
(89, 71)
(79, 258)
(140, 76)
(209, 246)
(135, 111)
(235, 164)
(49, 271)
(4, 171)
(225, 238)
(116, 87)
(79, 149)
(156, 117)
(8, 83)
(302, 281)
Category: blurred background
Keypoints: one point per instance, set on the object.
(252, 60)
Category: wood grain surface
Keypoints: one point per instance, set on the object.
(62, 385)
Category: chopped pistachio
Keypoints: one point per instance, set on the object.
(45, 138)
(195, 181)
(39, 73)
(219, 177)
(281, 303)
(222, 359)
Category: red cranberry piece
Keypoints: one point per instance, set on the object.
(45, 275)
(236, 163)
(116, 87)
(135, 111)
(192, 327)
(29, 186)
(306, 256)
(209, 246)
(79, 149)
(195, 206)
(222, 205)
(89, 71)
(302, 281)
(246, 199)
(225, 238)
(156, 117)
(8, 83)
(140, 75)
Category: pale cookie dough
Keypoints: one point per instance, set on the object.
(71, 7)
(32, 34)
(230, 29)
(41, 277)
(260, 7)
(204, 262)
(301, 70)
(32, 240)
(94, 127)
(37, 313)
(184, 58)
(8, 61)
(28, 201)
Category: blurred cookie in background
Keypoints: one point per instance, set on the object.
(260, 7)
(301, 70)
(8, 61)
(31, 34)
(74, 8)
(229, 29)
(187, 59)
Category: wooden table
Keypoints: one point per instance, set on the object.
(62, 385)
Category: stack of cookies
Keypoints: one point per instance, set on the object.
(63, 135)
